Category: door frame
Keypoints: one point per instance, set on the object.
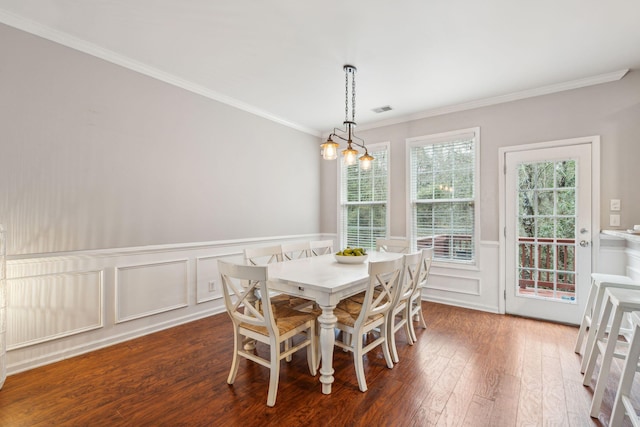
(594, 141)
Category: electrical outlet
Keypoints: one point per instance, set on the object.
(615, 205)
(614, 220)
(212, 285)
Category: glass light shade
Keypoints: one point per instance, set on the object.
(365, 161)
(329, 150)
(350, 155)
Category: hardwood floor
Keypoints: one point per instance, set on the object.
(468, 368)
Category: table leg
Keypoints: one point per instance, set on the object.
(327, 322)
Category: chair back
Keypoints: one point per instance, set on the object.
(263, 255)
(384, 278)
(296, 250)
(402, 246)
(240, 285)
(321, 247)
(427, 259)
(411, 268)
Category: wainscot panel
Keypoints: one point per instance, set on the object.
(64, 304)
(48, 307)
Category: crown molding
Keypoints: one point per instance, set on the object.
(515, 96)
(75, 43)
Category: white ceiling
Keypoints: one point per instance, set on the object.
(283, 59)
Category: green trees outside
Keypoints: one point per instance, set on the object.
(366, 202)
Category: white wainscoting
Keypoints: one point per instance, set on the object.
(52, 306)
(63, 305)
(476, 288)
(147, 289)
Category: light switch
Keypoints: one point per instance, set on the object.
(614, 220)
(615, 205)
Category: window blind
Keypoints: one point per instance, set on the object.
(363, 200)
(442, 192)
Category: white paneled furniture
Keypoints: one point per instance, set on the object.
(327, 282)
(618, 302)
(593, 308)
(271, 325)
(393, 245)
(356, 320)
(295, 250)
(321, 247)
(400, 315)
(622, 404)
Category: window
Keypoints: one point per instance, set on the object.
(364, 198)
(442, 175)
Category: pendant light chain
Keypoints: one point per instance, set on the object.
(330, 147)
(346, 96)
(353, 96)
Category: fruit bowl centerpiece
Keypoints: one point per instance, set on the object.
(351, 256)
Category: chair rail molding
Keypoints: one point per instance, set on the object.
(65, 304)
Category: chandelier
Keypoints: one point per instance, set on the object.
(329, 149)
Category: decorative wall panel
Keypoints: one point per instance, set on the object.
(47, 307)
(147, 289)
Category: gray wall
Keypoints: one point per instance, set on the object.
(611, 110)
(97, 156)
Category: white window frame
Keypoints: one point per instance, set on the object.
(371, 148)
(441, 138)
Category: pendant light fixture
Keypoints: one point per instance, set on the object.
(330, 148)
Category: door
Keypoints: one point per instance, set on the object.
(548, 232)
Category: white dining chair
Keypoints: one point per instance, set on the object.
(355, 320)
(623, 403)
(268, 255)
(617, 303)
(400, 314)
(321, 247)
(263, 255)
(415, 301)
(393, 245)
(296, 250)
(271, 325)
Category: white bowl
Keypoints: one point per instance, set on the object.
(351, 259)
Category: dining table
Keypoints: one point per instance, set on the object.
(326, 281)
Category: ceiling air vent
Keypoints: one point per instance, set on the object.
(382, 109)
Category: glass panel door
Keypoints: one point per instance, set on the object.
(546, 229)
(547, 235)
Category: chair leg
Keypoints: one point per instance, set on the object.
(594, 351)
(592, 331)
(359, 364)
(412, 328)
(385, 347)
(605, 366)
(274, 375)
(626, 381)
(421, 321)
(287, 346)
(391, 339)
(586, 323)
(237, 342)
(407, 324)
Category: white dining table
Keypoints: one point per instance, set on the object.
(327, 282)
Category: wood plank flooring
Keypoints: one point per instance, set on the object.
(469, 368)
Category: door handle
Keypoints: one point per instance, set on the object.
(584, 243)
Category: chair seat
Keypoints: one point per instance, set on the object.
(359, 298)
(287, 319)
(349, 317)
(291, 301)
